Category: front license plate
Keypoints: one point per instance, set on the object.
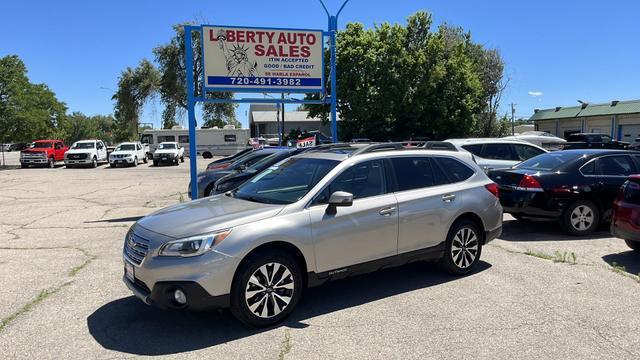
(129, 272)
(164, 159)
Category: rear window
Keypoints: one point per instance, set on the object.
(166, 138)
(498, 152)
(455, 170)
(475, 149)
(549, 161)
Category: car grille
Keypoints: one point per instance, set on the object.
(136, 248)
(33, 155)
(77, 156)
(118, 156)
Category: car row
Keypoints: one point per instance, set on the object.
(315, 215)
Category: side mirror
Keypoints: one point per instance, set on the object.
(339, 198)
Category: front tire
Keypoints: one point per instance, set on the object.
(462, 248)
(51, 164)
(94, 163)
(135, 161)
(634, 245)
(581, 218)
(112, 165)
(145, 160)
(266, 288)
(155, 163)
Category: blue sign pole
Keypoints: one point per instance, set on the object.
(193, 156)
(333, 29)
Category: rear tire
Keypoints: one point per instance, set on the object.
(462, 248)
(634, 245)
(581, 218)
(266, 288)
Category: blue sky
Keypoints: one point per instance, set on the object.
(556, 51)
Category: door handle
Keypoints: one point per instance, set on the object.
(387, 211)
(448, 198)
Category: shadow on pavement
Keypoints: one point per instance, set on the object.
(629, 259)
(531, 230)
(124, 219)
(129, 326)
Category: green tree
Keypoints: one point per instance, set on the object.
(27, 111)
(135, 88)
(171, 62)
(78, 126)
(397, 82)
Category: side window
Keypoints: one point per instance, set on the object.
(146, 139)
(139, 146)
(526, 152)
(166, 138)
(605, 138)
(100, 145)
(362, 180)
(589, 168)
(498, 152)
(475, 149)
(614, 166)
(183, 139)
(413, 172)
(455, 170)
(255, 159)
(58, 145)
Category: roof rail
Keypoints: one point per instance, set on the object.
(440, 145)
(378, 147)
(330, 146)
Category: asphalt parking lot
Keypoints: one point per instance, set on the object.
(537, 293)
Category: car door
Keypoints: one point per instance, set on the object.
(525, 152)
(58, 151)
(498, 156)
(102, 151)
(612, 171)
(426, 202)
(365, 231)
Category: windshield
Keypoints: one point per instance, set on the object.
(84, 145)
(167, 146)
(260, 165)
(548, 161)
(126, 147)
(286, 182)
(42, 145)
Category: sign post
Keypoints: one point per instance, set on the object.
(263, 60)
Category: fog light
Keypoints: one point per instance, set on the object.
(180, 297)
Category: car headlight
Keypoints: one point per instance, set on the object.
(193, 246)
(224, 186)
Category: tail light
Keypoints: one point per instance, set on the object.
(529, 183)
(493, 189)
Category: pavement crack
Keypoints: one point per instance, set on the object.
(285, 346)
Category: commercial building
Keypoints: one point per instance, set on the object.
(263, 121)
(620, 119)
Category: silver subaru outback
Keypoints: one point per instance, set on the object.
(318, 216)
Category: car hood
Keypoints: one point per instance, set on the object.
(123, 152)
(166, 151)
(80, 151)
(36, 150)
(206, 215)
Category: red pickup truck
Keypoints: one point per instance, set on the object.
(43, 152)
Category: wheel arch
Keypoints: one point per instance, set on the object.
(283, 246)
(473, 217)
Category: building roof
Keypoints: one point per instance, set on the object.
(610, 108)
(294, 116)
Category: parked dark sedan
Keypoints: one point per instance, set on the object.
(237, 178)
(207, 179)
(575, 187)
(226, 161)
(625, 222)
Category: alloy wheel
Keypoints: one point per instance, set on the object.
(464, 248)
(269, 290)
(582, 217)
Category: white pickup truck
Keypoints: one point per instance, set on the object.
(129, 153)
(168, 152)
(86, 152)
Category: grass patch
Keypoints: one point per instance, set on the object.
(181, 197)
(559, 257)
(43, 295)
(285, 346)
(619, 269)
(74, 271)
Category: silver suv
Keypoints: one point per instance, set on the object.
(318, 216)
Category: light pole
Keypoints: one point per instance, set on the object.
(333, 29)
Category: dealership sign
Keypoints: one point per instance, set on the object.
(262, 59)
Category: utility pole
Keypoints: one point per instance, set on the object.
(513, 113)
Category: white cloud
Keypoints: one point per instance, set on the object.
(536, 93)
